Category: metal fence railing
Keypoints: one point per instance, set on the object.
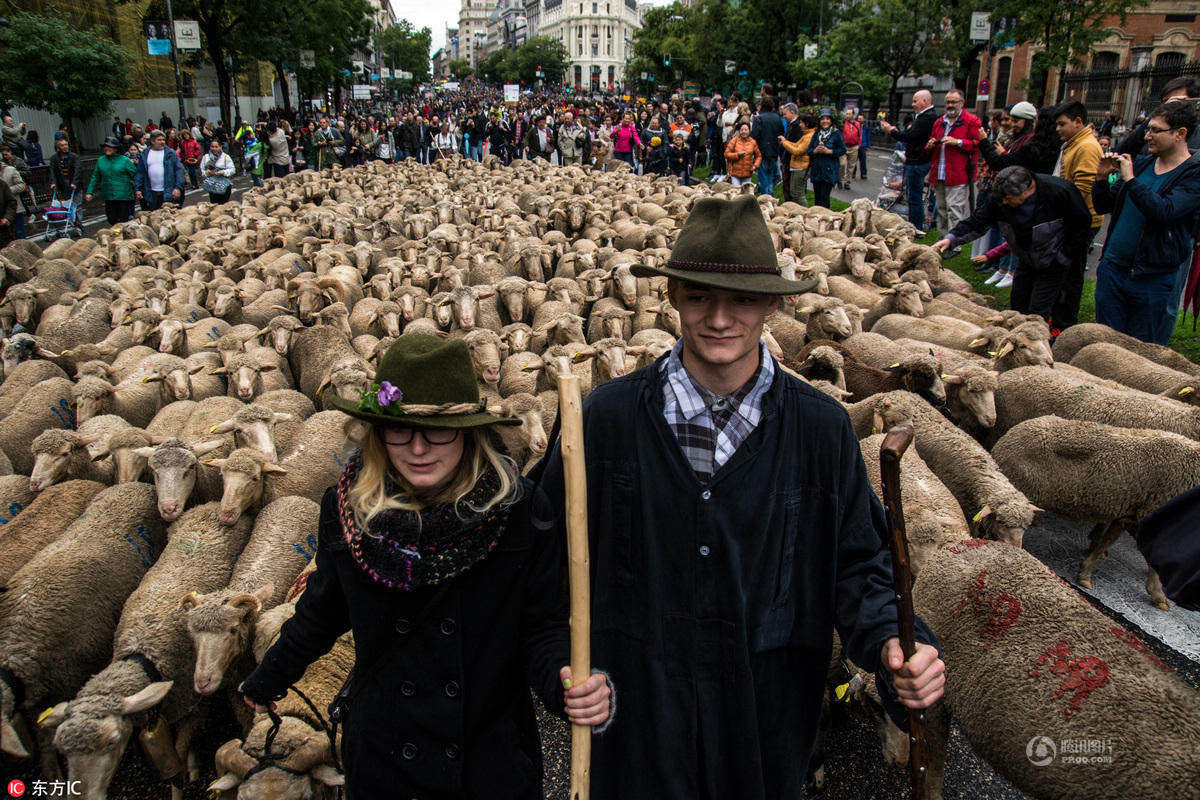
(1122, 91)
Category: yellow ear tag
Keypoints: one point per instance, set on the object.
(1186, 391)
(893, 366)
(213, 429)
(42, 716)
(978, 516)
(840, 691)
(874, 430)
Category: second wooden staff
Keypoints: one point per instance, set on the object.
(890, 452)
(570, 410)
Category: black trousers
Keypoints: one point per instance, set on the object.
(1066, 309)
(220, 198)
(277, 170)
(821, 192)
(1041, 293)
(118, 211)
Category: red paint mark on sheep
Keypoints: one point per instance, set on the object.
(1130, 638)
(1003, 609)
(1080, 676)
(970, 544)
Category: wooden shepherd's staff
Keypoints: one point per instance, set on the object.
(570, 411)
(890, 452)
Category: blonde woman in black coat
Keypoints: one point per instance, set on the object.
(441, 559)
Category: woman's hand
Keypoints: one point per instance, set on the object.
(587, 702)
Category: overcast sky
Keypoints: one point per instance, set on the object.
(436, 14)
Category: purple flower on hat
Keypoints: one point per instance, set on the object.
(388, 394)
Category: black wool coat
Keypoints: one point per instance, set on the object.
(444, 709)
(715, 602)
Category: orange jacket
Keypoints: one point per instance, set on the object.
(742, 156)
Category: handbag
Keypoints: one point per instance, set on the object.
(216, 184)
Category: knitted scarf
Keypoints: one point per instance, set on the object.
(398, 553)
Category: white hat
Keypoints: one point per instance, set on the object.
(1023, 110)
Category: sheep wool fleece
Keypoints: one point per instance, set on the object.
(715, 603)
(443, 709)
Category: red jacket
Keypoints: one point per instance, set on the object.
(852, 133)
(960, 158)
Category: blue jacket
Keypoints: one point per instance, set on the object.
(1171, 213)
(824, 167)
(172, 174)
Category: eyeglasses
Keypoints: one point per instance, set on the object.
(398, 437)
(1152, 129)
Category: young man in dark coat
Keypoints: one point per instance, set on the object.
(732, 527)
(1155, 209)
(1047, 225)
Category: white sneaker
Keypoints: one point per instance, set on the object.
(1005, 282)
(995, 278)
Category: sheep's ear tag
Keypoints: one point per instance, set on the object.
(42, 716)
(893, 366)
(874, 430)
(213, 794)
(1186, 391)
(978, 516)
(575, 359)
(213, 429)
(841, 692)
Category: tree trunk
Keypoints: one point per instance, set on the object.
(283, 86)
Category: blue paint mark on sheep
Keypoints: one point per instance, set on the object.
(145, 561)
(302, 552)
(144, 534)
(14, 508)
(64, 413)
(193, 316)
(69, 282)
(338, 461)
(213, 334)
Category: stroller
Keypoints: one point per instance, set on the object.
(60, 216)
(892, 190)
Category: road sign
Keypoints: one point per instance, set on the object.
(983, 98)
(981, 26)
(158, 47)
(985, 87)
(810, 50)
(403, 74)
(730, 66)
(187, 34)
(308, 59)
(386, 73)
(512, 92)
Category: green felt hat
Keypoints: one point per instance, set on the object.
(725, 245)
(424, 382)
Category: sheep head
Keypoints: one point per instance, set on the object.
(221, 625)
(243, 473)
(173, 464)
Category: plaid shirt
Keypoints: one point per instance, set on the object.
(710, 427)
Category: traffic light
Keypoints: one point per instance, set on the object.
(667, 60)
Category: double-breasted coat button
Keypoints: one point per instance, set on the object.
(448, 626)
(704, 550)
(451, 750)
(451, 689)
(403, 626)
(409, 751)
(407, 689)
(705, 495)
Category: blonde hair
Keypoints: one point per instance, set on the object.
(369, 495)
(743, 108)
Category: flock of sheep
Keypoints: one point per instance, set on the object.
(165, 439)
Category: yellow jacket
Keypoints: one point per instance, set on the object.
(1078, 162)
(799, 151)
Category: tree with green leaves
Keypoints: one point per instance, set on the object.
(407, 49)
(47, 64)
(501, 66)
(544, 53)
(460, 68)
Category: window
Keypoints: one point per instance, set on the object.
(608, 8)
(1100, 88)
(579, 50)
(608, 30)
(578, 75)
(610, 48)
(595, 31)
(1180, 18)
(1003, 75)
(595, 8)
(612, 75)
(1166, 67)
(595, 49)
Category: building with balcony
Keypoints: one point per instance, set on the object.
(598, 36)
